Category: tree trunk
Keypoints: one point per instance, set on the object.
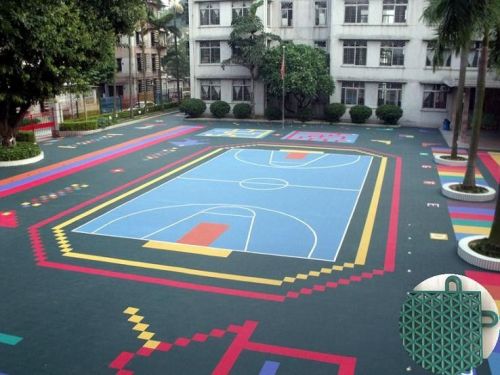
(470, 178)
(130, 76)
(8, 134)
(160, 91)
(252, 94)
(9, 123)
(177, 61)
(494, 237)
(464, 54)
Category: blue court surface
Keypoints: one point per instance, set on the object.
(278, 202)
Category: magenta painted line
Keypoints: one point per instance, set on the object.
(289, 136)
(491, 165)
(392, 234)
(79, 165)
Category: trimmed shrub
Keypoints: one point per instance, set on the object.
(334, 111)
(219, 108)
(78, 125)
(242, 110)
(304, 114)
(389, 113)
(360, 113)
(23, 150)
(29, 121)
(25, 137)
(273, 113)
(193, 107)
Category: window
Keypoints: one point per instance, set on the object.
(434, 97)
(320, 13)
(210, 52)
(240, 9)
(321, 44)
(269, 13)
(353, 93)
(154, 38)
(138, 38)
(139, 62)
(154, 64)
(241, 90)
(286, 13)
(430, 56)
(392, 53)
(209, 14)
(119, 67)
(356, 11)
(389, 93)
(140, 87)
(474, 53)
(394, 11)
(355, 52)
(210, 89)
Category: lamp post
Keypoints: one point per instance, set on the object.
(178, 9)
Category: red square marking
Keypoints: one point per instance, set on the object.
(296, 155)
(204, 234)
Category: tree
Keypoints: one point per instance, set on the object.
(170, 61)
(249, 43)
(46, 46)
(307, 75)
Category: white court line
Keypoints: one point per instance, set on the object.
(237, 157)
(220, 214)
(247, 242)
(352, 210)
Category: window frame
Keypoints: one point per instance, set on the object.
(318, 10)
(356, 87)
(434, 89)
(390, 47)
(394, 5)
(211, 84)
(357, 6)
(360, 51)
(245, 93)
(212, 10)
(430, 56)
(289, 13)
(241, 7)
(386, 88)
(210, 47)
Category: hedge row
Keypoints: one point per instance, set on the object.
(25, 136)
(23, 150)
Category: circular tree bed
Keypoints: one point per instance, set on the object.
(475, 250)
(480, 193)
(443, 159)
(23, 153)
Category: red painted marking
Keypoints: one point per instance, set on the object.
(296, 155)
(346, 364)
(491, 165)
(485, 278)
(392, 233)
(463, 215)
(8, 219)
(125, 372)
(237, 346)
(145, 352)
(164, 347)
(121, 361)
(200, 337)
(217, 332)
(204, 234)
(182, 341)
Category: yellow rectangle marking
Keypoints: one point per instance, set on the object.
(471, 230)
(185, 248)
(140, 327)
(145, 335)
(187, 271)
(135, 318)
(152, 344)
(364, 242)
(439, 236)
(131, 310)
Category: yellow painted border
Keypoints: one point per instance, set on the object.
(359, 260)
(186, 248)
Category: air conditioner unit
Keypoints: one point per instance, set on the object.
(444, 88)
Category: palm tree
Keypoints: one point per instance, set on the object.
(455, 22)
(177, 8)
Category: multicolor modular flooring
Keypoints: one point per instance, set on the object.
(175, 246)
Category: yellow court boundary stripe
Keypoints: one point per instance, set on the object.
(364, 243)
(471, 229)
(235, 277)
(187, 248)
(187, 271)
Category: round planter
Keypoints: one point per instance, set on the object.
(439, 159)
(15, 163)
(468, 197)
(479, 260)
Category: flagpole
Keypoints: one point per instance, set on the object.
(283, 90)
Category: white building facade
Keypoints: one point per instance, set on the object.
(380, 53)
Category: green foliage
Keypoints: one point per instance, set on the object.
(360, 113)
(29, 121)
(23, 150)
(389, 113)
(242, 110)
(334, 111)
(307, 75)
(25, 137)
(219, 108)
(169, 61)
(193, 107)
(304, 114)
(78, 125)
(273, 113)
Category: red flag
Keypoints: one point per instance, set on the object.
(282, 69)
